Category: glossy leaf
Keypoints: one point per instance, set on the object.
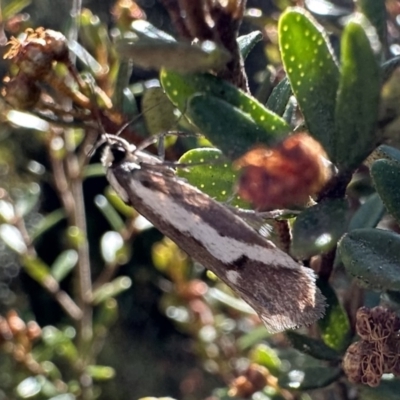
(313, 347)
(12, 237)
(318, 228)
(327, 9)
(227, 127)
(386, 177)
(113, 249)
(145, 29)
(311, 67)
(311, 378)
(215, 174)
(279, 97)
(335, 325)
(369, 214)
(373, 257)
(180, 88)
(29, 387)
(7, 211)
(247, 42)
(64, 264)
(358, 97)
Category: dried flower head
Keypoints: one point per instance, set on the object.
(283, 176)
(378, 351)
(35, 53)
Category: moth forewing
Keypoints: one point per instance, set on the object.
(282, 292)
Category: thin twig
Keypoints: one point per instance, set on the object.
(49, 283)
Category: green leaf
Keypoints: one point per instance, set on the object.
(184, 57)
(25, 203)
(29, 387)
(94, 170)
(122, 98)
(64, 264)
(311, 378)
(215, 174)
(106, 313)
(386, 177)
(387, 390)
(119, 205)
(267, 357)
(145, 29)
(111, 289)
(247, 42)
(313, 347)
(358, 97)
(14, 7)
(100, 372)
(12, 237)
(369, 214)
(279, 97)
(227, 127)
(252, 337)
(386, 152)
(7, 212)
(375, 12)
(109, 212)
(179, 88)
(373, 257)
(36, 268)
(113, 248)
(311, 67)
(64, 396)
(317, 229)
(60, 342)
(49, 221)
(154, 49)
(159, 115)
(335, 325)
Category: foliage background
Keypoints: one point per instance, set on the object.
(162, 336)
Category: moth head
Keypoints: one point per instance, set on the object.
(116, 150)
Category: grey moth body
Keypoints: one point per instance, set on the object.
(282, 292)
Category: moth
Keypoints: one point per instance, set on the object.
(282, 292)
